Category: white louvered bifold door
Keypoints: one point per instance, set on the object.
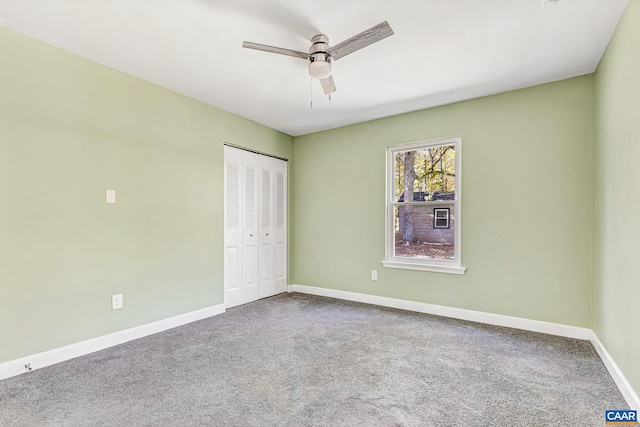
(250, 249)
(255, 230)
(280, 226)
(267, 228)
(232, 226)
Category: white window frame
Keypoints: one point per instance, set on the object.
(441, 266)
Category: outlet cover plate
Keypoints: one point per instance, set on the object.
(117, 301)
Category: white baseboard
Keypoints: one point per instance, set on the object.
(456, 313)
(57, 355)
(625, 388)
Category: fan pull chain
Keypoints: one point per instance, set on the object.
(311, 91)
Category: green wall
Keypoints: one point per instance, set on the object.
(616, 284)
(70, 129)
(526, 204)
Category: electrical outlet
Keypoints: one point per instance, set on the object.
(374, 274)
(116, 301)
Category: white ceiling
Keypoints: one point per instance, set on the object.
(442, 51)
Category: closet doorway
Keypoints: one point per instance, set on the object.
(255, 226)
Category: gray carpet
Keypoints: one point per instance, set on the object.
(298, 360)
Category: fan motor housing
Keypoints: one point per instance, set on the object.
(319, 58)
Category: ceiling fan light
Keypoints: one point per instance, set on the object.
(320, 69)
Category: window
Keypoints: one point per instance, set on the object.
(423, 206)
(440, 217)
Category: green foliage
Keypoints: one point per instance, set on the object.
(434, 168)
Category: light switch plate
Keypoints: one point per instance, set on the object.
(111, 196)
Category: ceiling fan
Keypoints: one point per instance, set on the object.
(321, 55)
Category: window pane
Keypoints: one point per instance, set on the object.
(418, 235)
(425, 174)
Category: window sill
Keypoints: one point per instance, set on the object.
(437, 268)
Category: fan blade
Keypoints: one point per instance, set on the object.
(328, 85)
(364, 39)
(272, 49)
